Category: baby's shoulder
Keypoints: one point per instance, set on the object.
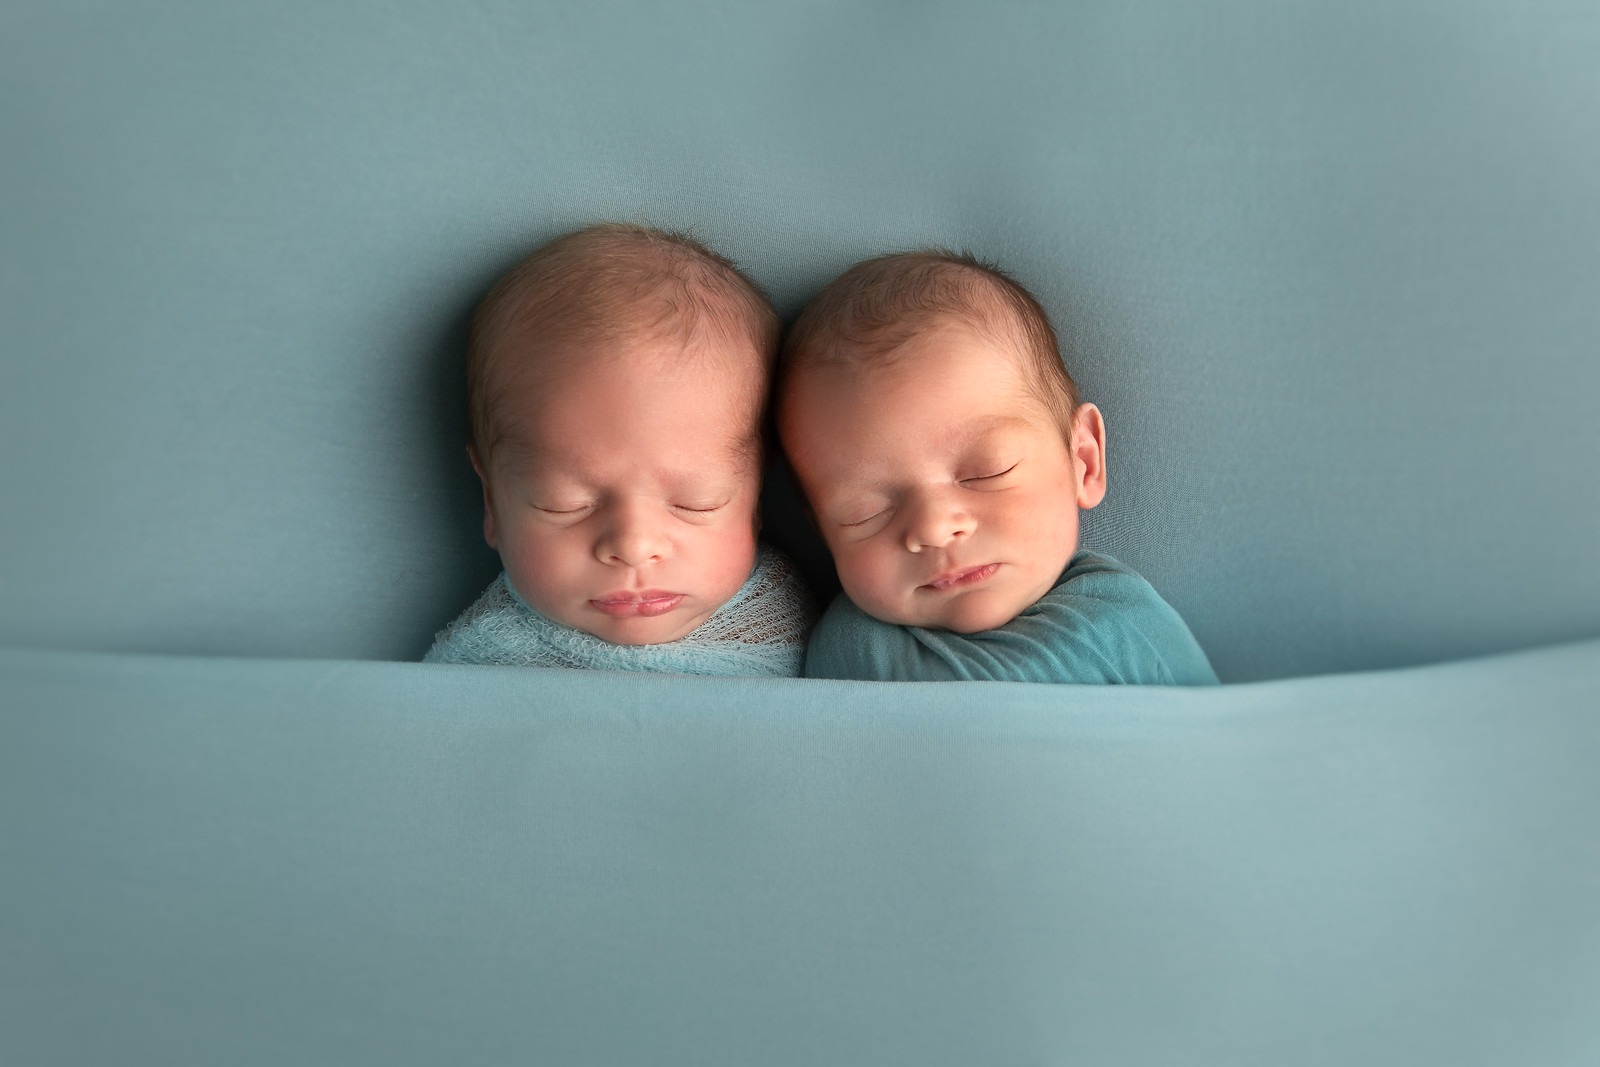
(1113, 611)
(478, 635)
(1097, 577)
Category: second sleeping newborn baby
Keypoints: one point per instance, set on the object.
(617, 380)
(945, 455)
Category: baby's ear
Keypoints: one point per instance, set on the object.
(1089, 454)
(490, 533)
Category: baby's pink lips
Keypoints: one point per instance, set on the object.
(965, 576)
(645, 602)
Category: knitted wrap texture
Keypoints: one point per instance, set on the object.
(761, 630)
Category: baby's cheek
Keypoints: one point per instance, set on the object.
(728, 557)
(1055, 538)
(543, 570)
(871, 579)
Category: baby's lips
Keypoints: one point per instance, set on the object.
(646, 603)
(964, 576)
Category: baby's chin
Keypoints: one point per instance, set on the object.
(986, 606)
(661, 630)
(963, 613)
(974, 613)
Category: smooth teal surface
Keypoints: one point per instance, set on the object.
(1329, 269)
(223, 861)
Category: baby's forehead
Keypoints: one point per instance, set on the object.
(920, 355)
(529, 456)
(887, 346)
(633, 294)
(934, 401)
(531, 369)
(615, 412)
(637, 342)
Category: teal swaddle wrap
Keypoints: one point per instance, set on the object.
(1100, 624)
(760, 630)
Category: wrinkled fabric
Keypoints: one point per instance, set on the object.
(1100, 624)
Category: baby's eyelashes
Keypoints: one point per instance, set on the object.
(574, 511)
(866, 514)
(868, 520)
(981, 479)
(699, 512)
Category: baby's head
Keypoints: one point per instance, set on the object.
(617, 380)
(938, 439)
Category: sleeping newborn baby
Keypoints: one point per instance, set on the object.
(617, 380)
(944, 454)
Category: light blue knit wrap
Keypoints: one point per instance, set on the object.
(761, 630)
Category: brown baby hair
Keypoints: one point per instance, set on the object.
(863, 315)
(608, 284)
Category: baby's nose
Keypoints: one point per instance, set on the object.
(632, 538)
(934, 522)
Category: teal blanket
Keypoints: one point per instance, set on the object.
(1101, 624)
(275, 861)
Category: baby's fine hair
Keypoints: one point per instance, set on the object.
(611, 283)
(867, 312)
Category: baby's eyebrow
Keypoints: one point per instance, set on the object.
(515, 460)
(954, 439)
(577, 476)
(967, 432)
(697, 481)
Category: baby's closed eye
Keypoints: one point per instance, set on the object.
(863, 515)
(700, 507)
(986, 480)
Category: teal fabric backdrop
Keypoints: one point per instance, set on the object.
(1330, 269)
